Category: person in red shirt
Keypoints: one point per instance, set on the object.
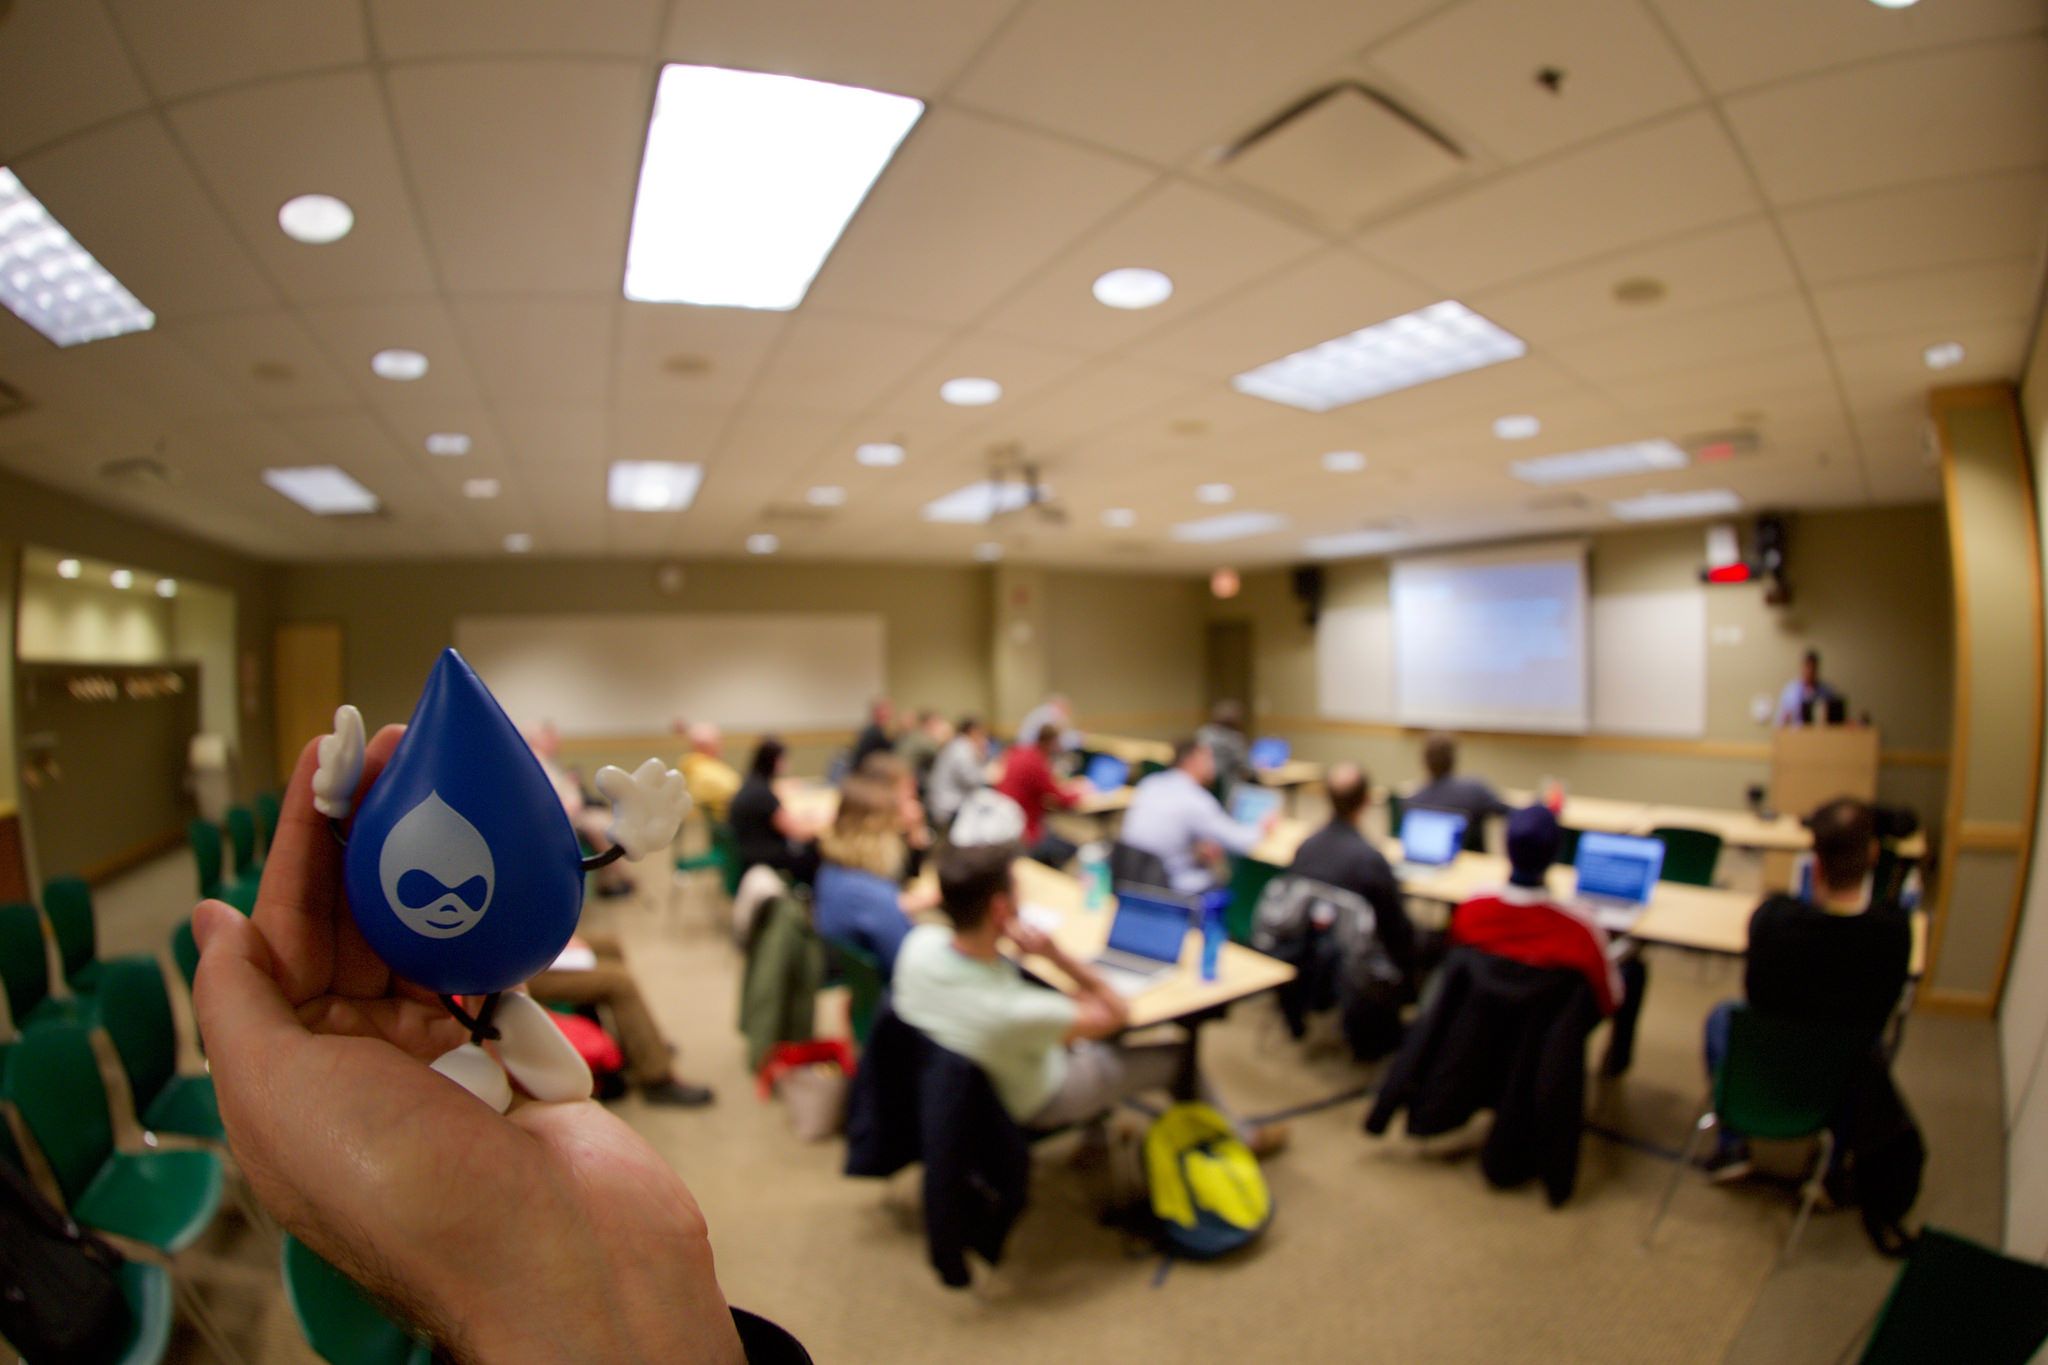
(1522, 922)
(1028, 780)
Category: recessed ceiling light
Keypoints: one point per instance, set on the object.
(1214, 492)
(448, 443)
(747, 181)
(988, 552)
(1133, 287)
(316, 219)
(123, 579)
(1944, 356)
(518, 543)
(1895, 4)
(1229, 526)
(970, 391)
(1702, 502)
(1431, 343)
(479, 488)
(399, 364)
(68, 568)
(51, 282)
(1640, 289)
(826, 495)
(1344, 461)
(762, 543)
(322, 489)
(1516, 426)
(980, 503)
(167, 587)
(1346, 544)
(1603, 462)
(1121, 518)
(879, 454)
(652, 485)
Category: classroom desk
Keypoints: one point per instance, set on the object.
(1240, 972)
(819, 802)
(1738, 828)
(1290, 777)
(1131, 751)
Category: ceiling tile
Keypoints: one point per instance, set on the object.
(536, 349)
(406, 29)
(557, 438)
(1661, 345)
(352, 333)
(270, 358)
(673, 431)
(1930, 299)
(185, 46)
(661, 346)
(910, 47)
(828, 361)
(42, 99)
(1739, 43)
(1949, 222)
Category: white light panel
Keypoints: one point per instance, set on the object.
(763, 543)
(1603, 462)
(1431, 343)
(479, 488)
(316, 219)
(1119, 518)
(879, 454)
(123, 579)
(1704, 502)
(399, 365)
(1229, 526)
(988, 552)
(826, 495)
(518, 543)
(979, 503)
(1516, 426)
(1344, 461)
(652, 485)
(448, 443)
(1132, 287)
(1347, 544)
(69, 568)
(52, 283)
(167, 587)
(970, 391)
(322, 489)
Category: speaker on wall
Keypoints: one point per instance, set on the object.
(1308, 590)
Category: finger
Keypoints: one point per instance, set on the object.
(242, 1014)
(419, 1029)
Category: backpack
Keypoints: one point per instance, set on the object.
(60, 1286)
(1209, 1196)
(599, 1051)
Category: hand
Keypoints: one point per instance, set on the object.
(341, 764)
(647, 805)
(916, 900)
(1269, 824)
(554, 1232)
(1031, 940)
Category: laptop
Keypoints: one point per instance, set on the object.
(1107, 772)
(1270, 753)
(1145, 940)
(1617, 874)
(1250, 803)
(1430, 838)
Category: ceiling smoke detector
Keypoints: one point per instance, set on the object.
(137, 471)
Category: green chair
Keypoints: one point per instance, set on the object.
(1248, 878)
(207, 852)
(865, 984)
(727, 849)
(162, 1199)
(1689, 854)
(185, 951)
(341, 1324)
(147, 1288)
(1955, 1300)
(1567, 845)
(1146, 767)
(25, 971)
(242, 842)
(67, 904)
(1782, 1080)
(135, 1010)
(1397, 806)
(269, 809)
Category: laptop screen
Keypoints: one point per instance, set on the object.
(1270, 753)
(1618, 867)
(1430, 836)
(1250, 803)
(1149, 927)
(1106, 772)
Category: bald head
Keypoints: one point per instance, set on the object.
(705, 738)
(1348, 787)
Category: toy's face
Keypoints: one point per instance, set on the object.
(436, 870)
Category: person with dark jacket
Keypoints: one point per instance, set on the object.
(763, 831)
(878, 734)
(1340, 855)
(1446, 790)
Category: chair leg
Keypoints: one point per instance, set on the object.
(187, 1296)
(1685, 1160)
(1810, 1193)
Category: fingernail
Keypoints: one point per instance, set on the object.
(205, 918)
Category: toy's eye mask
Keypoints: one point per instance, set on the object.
(419, 889)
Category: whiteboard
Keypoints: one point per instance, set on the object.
(1355, 663)
(636, 674)
(1650, 662)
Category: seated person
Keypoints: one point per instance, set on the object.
(591, 823)
(1445, 790)
(1028, 780)
(1340, 855)
(878, 734)
(610, 985)
(957, 771)
(1175, 817)
(859, 899)
(1055, 714)
(893, 772)
(1836, 959)
(710, 779)
(764, 833)
(1045, 1051)
(920, 745)
(1225, 736)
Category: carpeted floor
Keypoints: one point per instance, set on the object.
(1380, 1249)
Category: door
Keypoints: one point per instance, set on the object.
(1227, 673)
(307, 674)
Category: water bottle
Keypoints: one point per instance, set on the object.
(1212, 940)
(1095, 876)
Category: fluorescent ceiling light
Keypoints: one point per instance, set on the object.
(518, 543)
(748, 180)
(1516, 426)
(167, 587)
(979, 503)
(762, 543)
(988, 552)
(322, 489)
(448, 443)
(1214, 493)
(1603, 462)
(51, 282)
(652, 485)
(68, 568)
(479, 488)
(1229, 526)
(1702, 502)
(826, 495)
(1944, 356)
(1432, 343)
(316, 219)
(1346, 544)
(123, 579)
(879, 454)
(1895, 4)
(970, 391)
(1133, 287)
(1120, 518)
(398, 364)
(1344, 461)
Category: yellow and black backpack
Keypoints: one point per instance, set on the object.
(1208, 1194)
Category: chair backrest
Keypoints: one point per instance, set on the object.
(1135, 865)
(1690, 855)
(1248, 878)
(185, 951)
(24, 963)
(135, 1010)
(1955, 1300)
(1397, 806)
(339, 1320)
(864, 986)
(204, 836)
(67, 902)
(1785, 1078)
(242, 838)
(725, 846)
(1567, 846)
(269, 807)
(54, 1083)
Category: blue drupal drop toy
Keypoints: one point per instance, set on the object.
(465, 876)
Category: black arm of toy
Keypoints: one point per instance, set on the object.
(338, 830)
(604, 859)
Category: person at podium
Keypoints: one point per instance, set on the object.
(1806, 699)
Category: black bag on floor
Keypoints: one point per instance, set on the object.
(60, 1286)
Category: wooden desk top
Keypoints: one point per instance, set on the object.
(1131, 751)
(1295, 772)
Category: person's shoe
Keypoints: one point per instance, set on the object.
(1728, 1163)
(1268, 1139)
(678, 1093)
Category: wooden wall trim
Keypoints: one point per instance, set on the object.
(1733, 750)
(135, 855)
(1990, 836)
(666, 742)
(1970, 1004)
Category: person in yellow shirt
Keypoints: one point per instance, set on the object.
(710, 779)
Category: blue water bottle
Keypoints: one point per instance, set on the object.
(1095, 876)
(1212, 939)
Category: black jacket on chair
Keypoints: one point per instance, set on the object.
(913, 1100)
(1504, 1036)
